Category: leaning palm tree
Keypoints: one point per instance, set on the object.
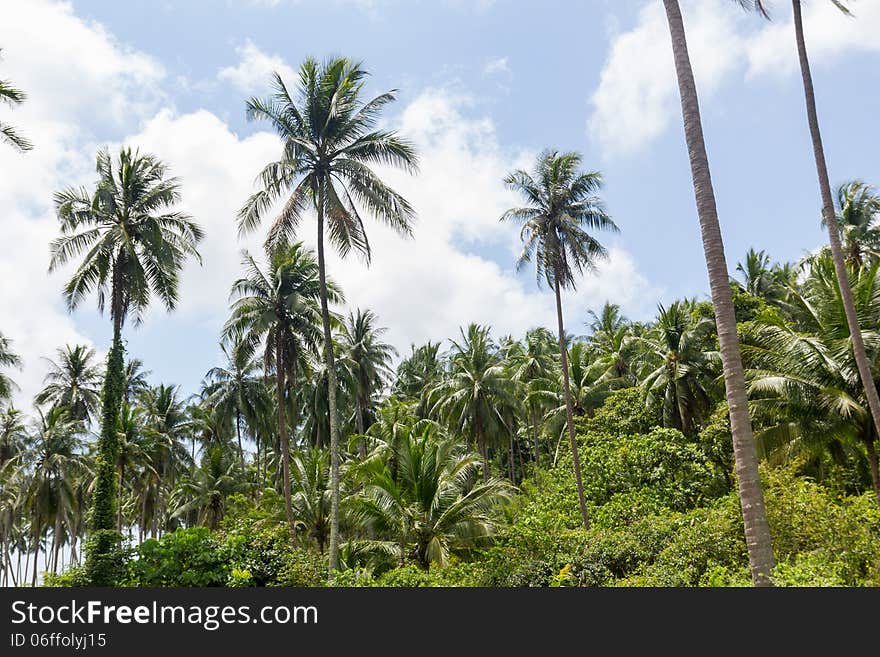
(329, 147)
(134, 245)
(757, 530)
(73, 383)
(11, 96)
(369, 359)
(858, 215)
(8, 358)
(279, 309)
(562, 207)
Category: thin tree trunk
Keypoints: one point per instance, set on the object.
(484, 453)
(119, 498)
(537, 449)
(512, 462)
(361, 409)
(830, 217)
(330, 364)
(36, 551)
(569, 411)
(56, 543)
(282, 434)
(238, 434)
(757, 530)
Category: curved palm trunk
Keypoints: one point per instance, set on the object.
(330, 364)
(285, 444)
(873, 464)
(569, 410)
(757, 530)
(846, 295)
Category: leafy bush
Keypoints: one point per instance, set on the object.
(184, 557)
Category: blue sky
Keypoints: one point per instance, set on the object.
(484, 86)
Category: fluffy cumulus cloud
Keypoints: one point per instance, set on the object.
(458, 267)
(81, 83)
(637, 97)
(254, 69)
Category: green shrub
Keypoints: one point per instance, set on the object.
(184, 557)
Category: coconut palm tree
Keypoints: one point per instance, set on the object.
(757, 274)
(12, 97)
(858, 213)
(419, 373)
(134, 380)
(13, 436)
(8, 358)
(134, 245)
(310, 486)
(204, 492)
(330, 146)
(369, 359)
(562, 207)
(279, 310)
(431, 503)
(239, 391)
(803, 377)
(757, 530)
(477, 395)
(681, 367)
(73, 383)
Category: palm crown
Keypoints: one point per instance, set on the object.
(132, 239)
(562, 207)
(329, 146)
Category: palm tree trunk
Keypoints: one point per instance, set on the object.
(361, 409)
(119, 498)
(569, 410)
(330, 364)
(484, 452)
(56, 543)
(282, 434)
(828, 213)
(757, 530)
(36, 550)
(537, 448)
(238, 435)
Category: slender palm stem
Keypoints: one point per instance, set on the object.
(757, 530)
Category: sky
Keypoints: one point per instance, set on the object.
(483, 87)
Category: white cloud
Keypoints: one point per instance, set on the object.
(497, 65)
(78, 80)
(637, 93)
(637, 96)
(254, 70)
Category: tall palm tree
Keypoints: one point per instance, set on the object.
(430, 503)
(204, 492)
(329, 147)
(11, 96)
(858, 214)
(239, 391)
(757, 530)
(562, 207)
(419, 373)
(369, 359)
(476, 396)
(757, 274)
(8, 358)
(134, 245)
(280, 310)
(12, 435)
(73, 383)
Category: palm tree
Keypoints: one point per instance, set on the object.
(680, 367)
(419, 373)
(12, 435)
(858, 211)
(533, 366)
(803, 378)
(134, 380)
(239, 391)
(134, 246)
(8, 358)
(310, 475)
(757, 275)
(329, 147)
(562, 208)
(55, 456)
(72, 383)
(430, 503)
(757, 530)
(11, 96)
(204, 493)
(369, 359)
(279, 309)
